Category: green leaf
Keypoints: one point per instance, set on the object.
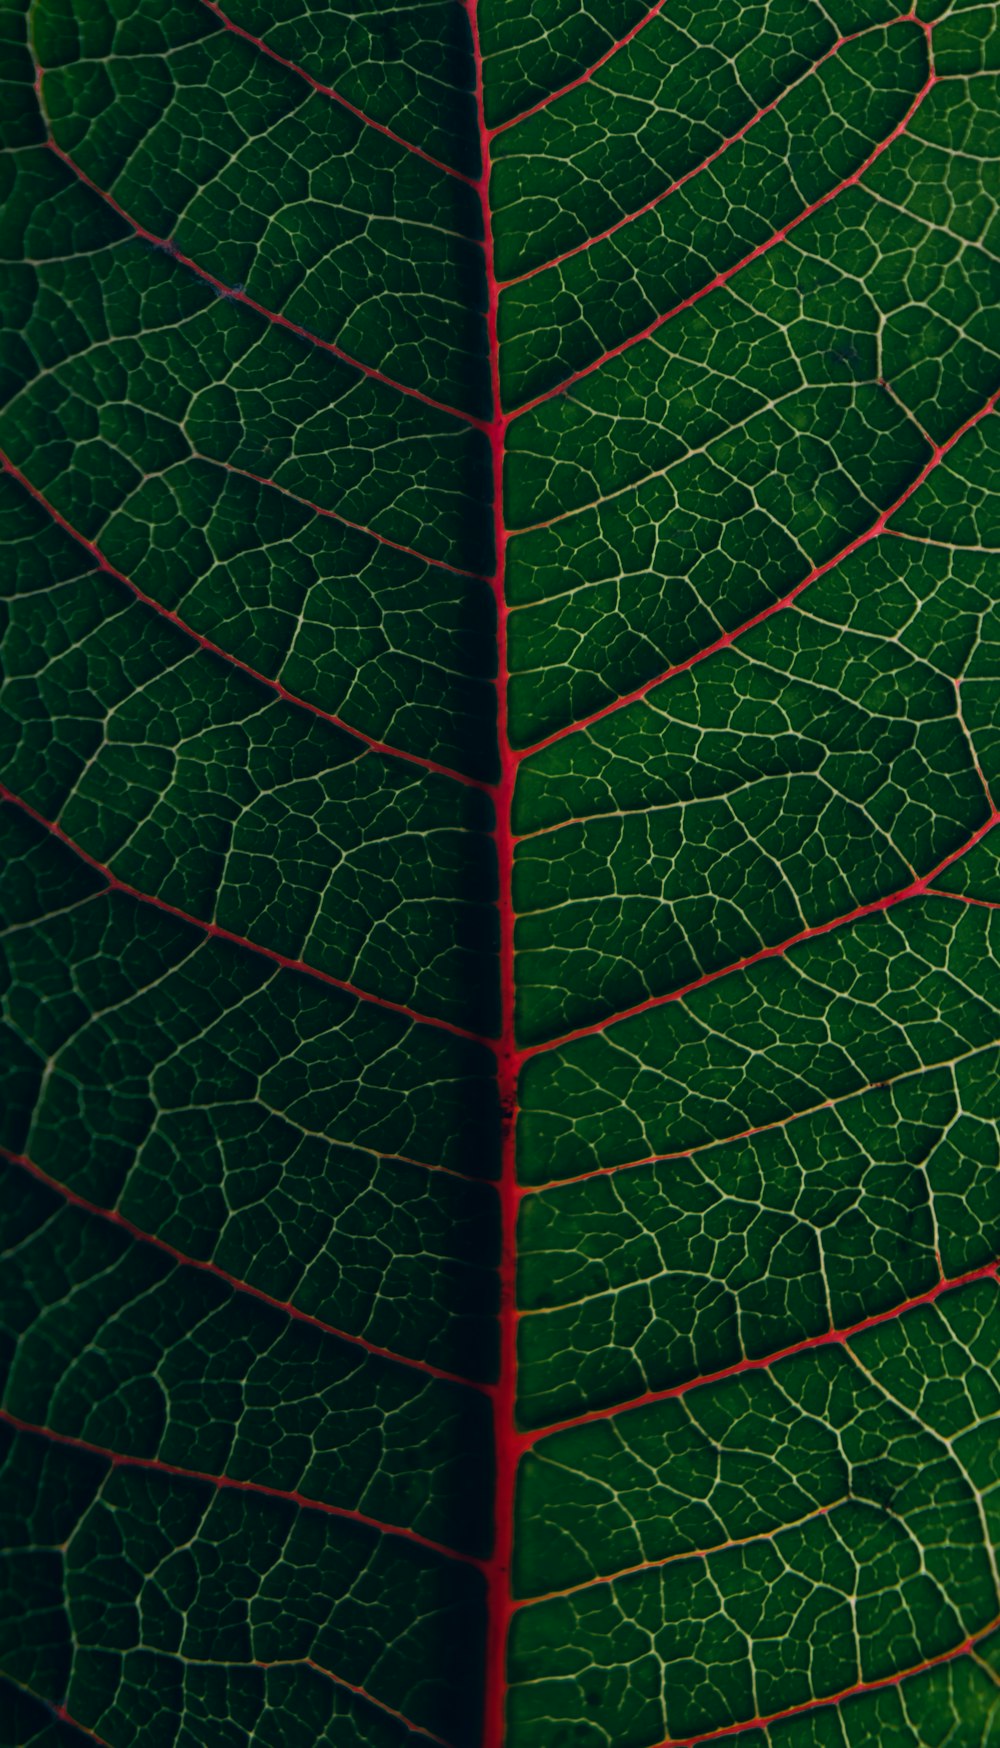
(502, 1018)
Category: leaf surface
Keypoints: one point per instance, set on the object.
(502, 1178)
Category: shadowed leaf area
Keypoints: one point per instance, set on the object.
(501, 895)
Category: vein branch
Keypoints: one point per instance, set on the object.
(872, 532)
(679, 182)
(832, 1337)
(875, 1685)
(916, 889)
(681, 1554)
(833, 1103)
(303, 1502)
(54, 1708)
(359, 1693)
(89, 546)
(234, 294)
(581, 78)
(238, 1285)
(263, 479)
(727, 273)
(964, 898)
(217, 932)
(336, 96)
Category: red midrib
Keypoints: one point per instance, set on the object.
(505, 1441)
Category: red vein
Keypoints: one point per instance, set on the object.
(263, 479)
(768, 1535)
(832, 1337)
(219, 933)
(876, 528)
(352, 1687)
(916, 889)
(498, 1571)
(235, 295)
(581, 78)
(65, 1717)
(831, 1104)
(287, 1496)
(964, 898)
(727, 273)
(814, 1705)
(376, 746)
(632, 487)
(238, 1285)
(54, 1708)
(337, 96)
(696, 169)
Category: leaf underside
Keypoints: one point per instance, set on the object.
(501, 1153)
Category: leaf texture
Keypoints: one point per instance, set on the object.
(501, 1154)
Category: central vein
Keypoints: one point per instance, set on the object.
(504, 1433)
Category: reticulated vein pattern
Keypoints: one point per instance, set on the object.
(501, 811)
